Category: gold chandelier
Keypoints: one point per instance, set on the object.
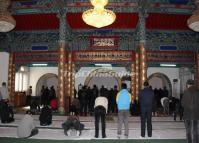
(7, 22)
(99, 16)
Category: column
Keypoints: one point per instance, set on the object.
(68, 81)
(11, 78)
(72, 79)
(197, 70)
(69, 74)
(61, 62)
(142, 66)
(136, 75)
(142, 51)
(133, 81)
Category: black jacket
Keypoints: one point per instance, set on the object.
(146, 97)
(190, 102)
(45, 116)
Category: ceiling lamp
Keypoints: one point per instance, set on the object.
(7, 22)
(193, 21)
(99, 16)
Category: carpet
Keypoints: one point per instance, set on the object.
(17, 140)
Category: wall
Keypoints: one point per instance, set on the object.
(37, 72)
(85, 71)
(171, 73)
(4, 63)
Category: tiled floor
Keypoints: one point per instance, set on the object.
(163, 128)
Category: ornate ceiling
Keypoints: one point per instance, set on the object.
(38, 23)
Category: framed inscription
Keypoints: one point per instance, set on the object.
(104, 42)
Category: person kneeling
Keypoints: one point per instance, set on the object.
(45, 117)
(27, 127)
(6, 111)
(72, 123)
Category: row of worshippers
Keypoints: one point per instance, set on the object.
(87, 96)
(190, 102)
(46, 95)
(123, 101)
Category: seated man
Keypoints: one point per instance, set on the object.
(27, 127)
(72, 123)
(45, 117)
(6, 111)
(34, 107)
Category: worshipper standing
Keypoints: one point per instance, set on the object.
(146, 97)
(52, 93)
(83, 98)
(123, 100)
(4, 93)
(75, 106)
(42, 95)
(6, 111)
(100, 110)
(115, 92)
(28, 96)
(190, 102)
(27, 127)
(94, 95)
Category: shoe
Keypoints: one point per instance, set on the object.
(142, 137)
(125, 136)
(104, 136)
(96, 136)
(69, 132)
(119, 136)
(65, 132)
(77, 133)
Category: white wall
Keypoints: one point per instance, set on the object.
(4, 63)
(37, 72)
(171, 73)
(85, 71)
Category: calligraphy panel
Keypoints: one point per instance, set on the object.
(103, 56)
(104, 42)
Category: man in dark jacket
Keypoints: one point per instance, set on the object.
(190, 102)
(45, 117)
(146, 97)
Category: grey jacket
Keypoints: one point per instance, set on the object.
(25, 127)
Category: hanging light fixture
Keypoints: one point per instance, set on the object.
(193, 21)
(7, 22)
(99, 16)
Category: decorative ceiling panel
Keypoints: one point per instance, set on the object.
(36, 22)
(167, 21)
